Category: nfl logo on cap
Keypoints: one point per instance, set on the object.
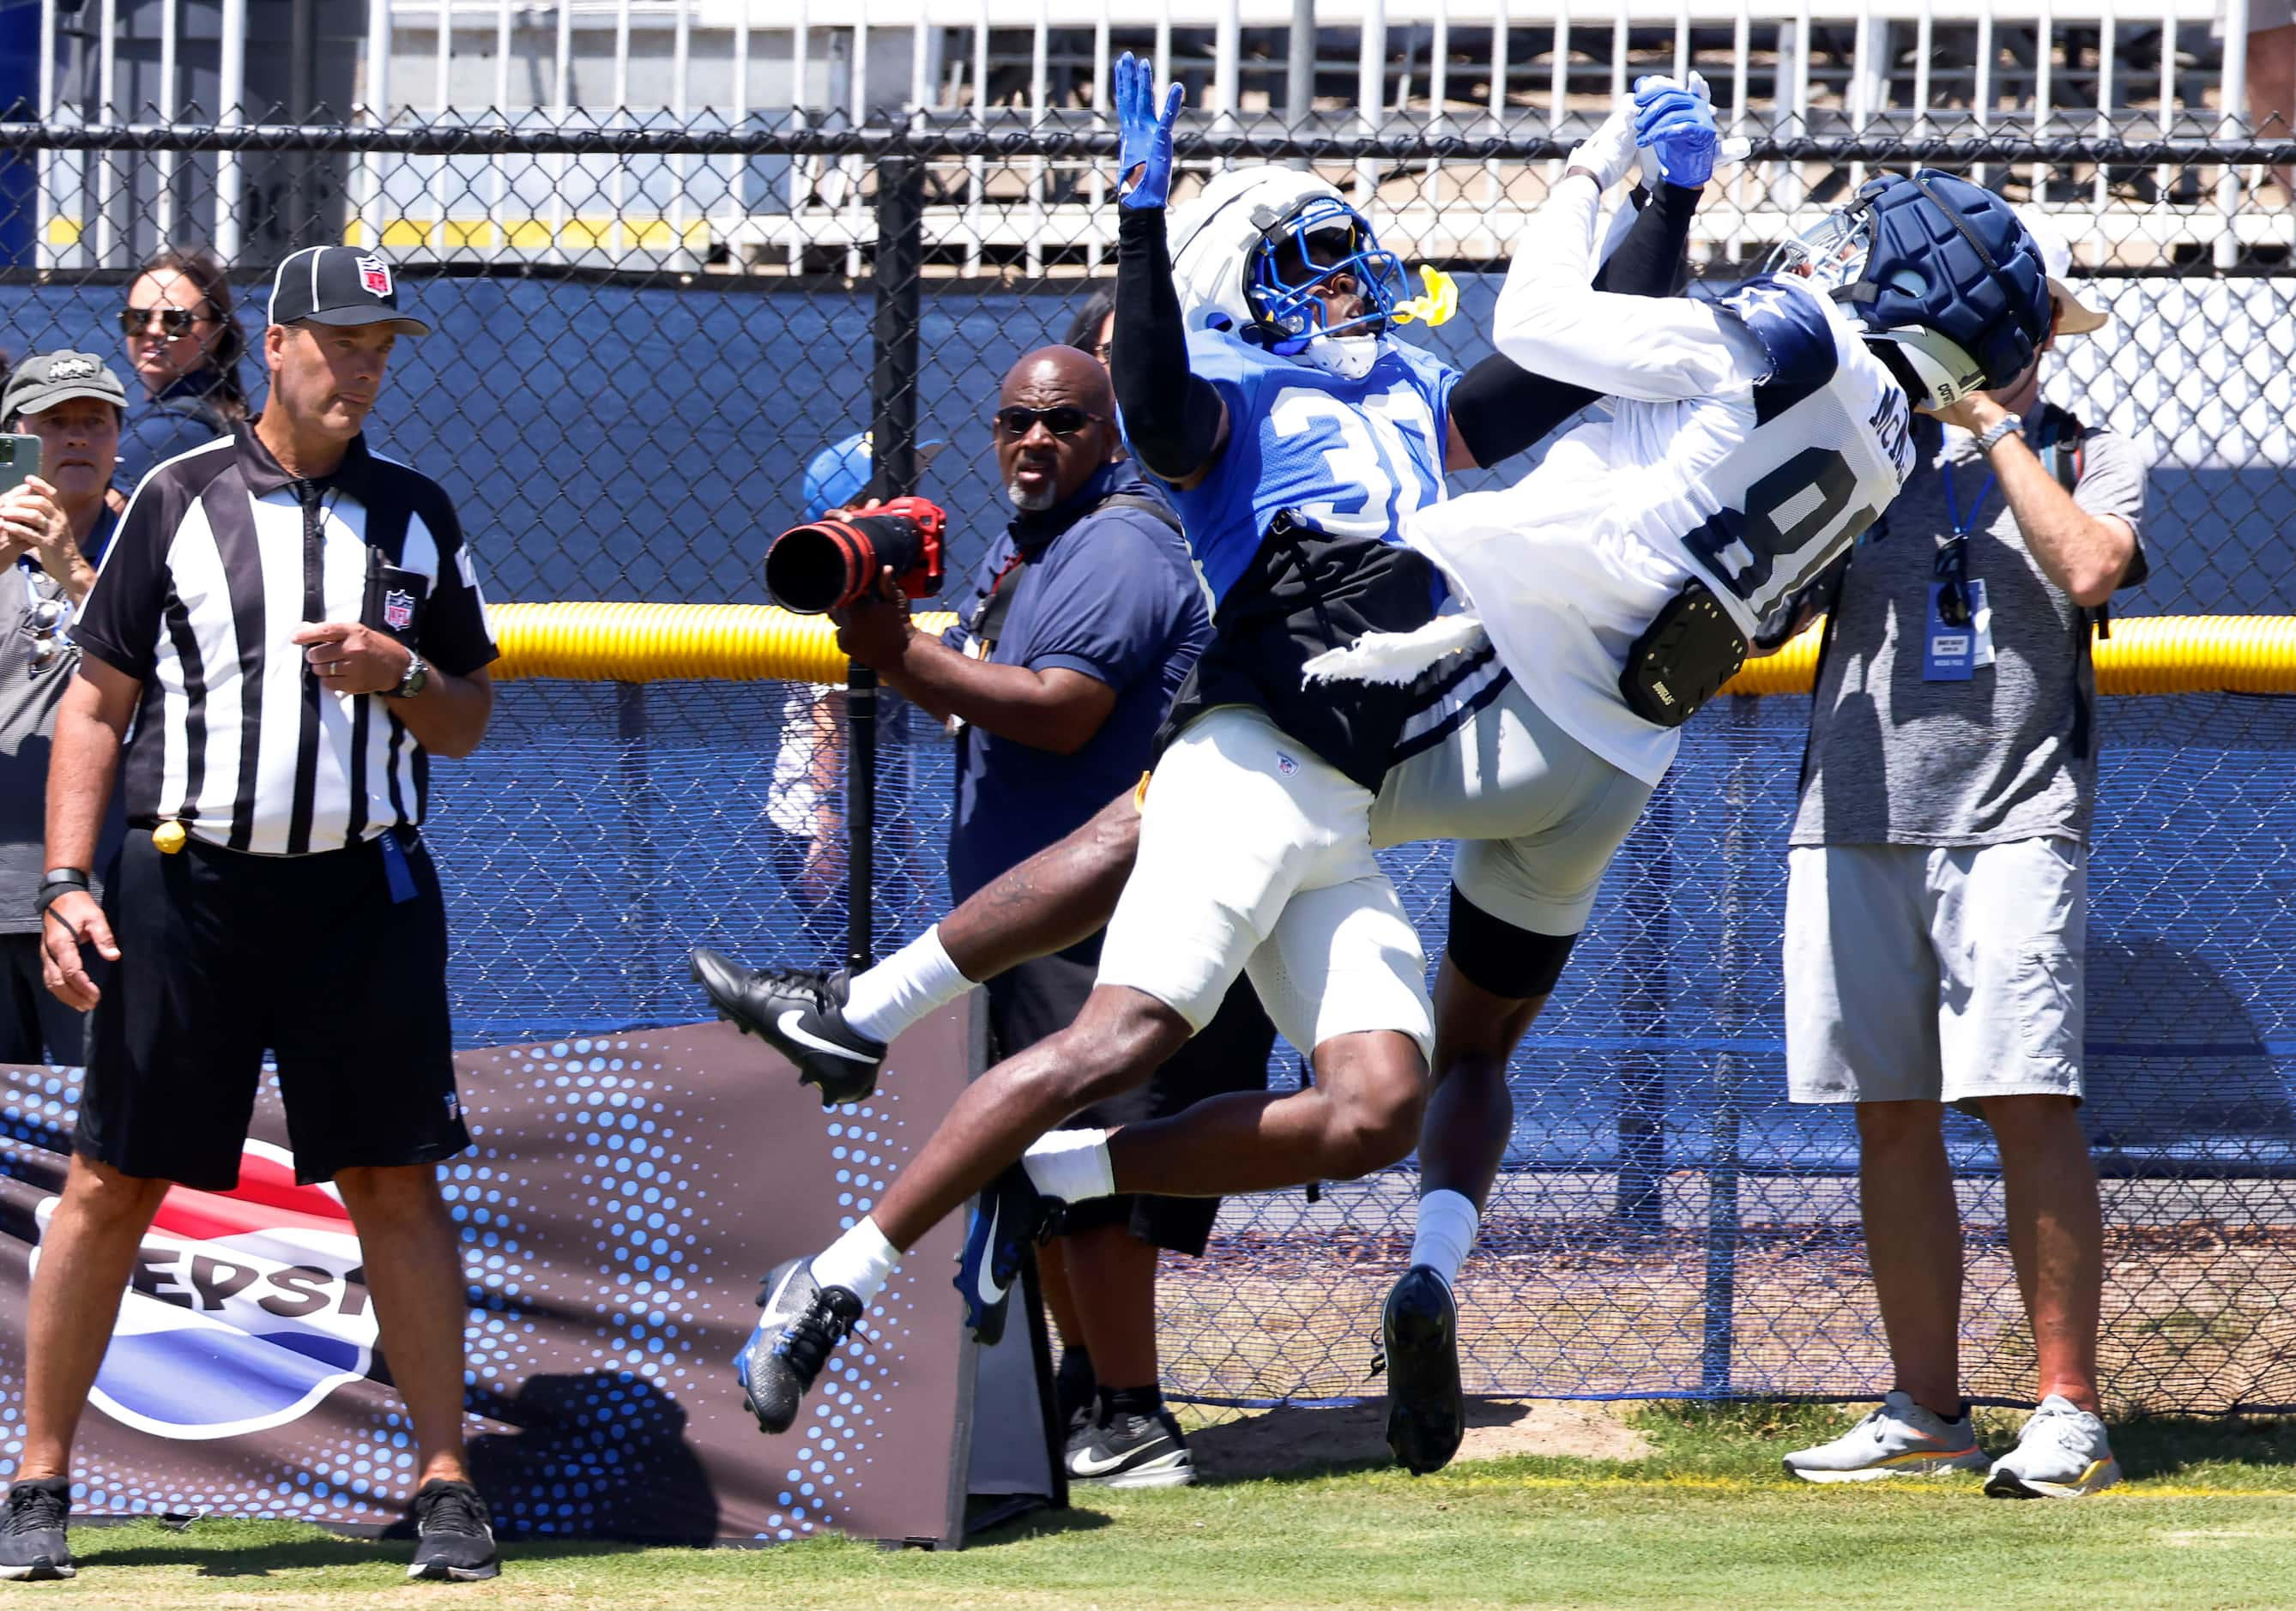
(339, 285)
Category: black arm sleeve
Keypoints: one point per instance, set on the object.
(1172, 415)
(1651, 261)
(1501, 408)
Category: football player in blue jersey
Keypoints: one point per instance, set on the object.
(1296, 435)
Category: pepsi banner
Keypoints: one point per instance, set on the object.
(623, 1195)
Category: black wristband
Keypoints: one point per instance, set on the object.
(60, 883)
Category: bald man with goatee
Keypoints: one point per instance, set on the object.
(1080, 622)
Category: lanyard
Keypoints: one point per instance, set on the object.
(1962, 528)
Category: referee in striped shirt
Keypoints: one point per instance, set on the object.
(286, 628)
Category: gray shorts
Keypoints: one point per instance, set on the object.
(1536, 815)
(1914, 974)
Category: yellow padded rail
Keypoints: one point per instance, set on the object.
(755, 642)
(671, 642)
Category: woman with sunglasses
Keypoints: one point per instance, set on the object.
(185, 343)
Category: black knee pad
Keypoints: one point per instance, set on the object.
(1501, 959)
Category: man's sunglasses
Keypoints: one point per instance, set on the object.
(1062, 420)
(173, 320)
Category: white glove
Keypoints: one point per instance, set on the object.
(1609, 150)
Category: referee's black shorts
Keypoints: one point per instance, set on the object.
(335, 962)
(1040, 998)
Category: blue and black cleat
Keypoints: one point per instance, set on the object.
(1011, 1216)
(804, 1322)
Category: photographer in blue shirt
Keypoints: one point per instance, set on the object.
(1079, 627)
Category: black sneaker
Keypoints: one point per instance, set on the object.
(455, 1541)
(32, 1547)
(1010, 1217)
(1128, 1450)
(800, 1014)
(1426, 1413)
(803, 1322)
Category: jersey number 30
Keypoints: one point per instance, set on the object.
(1365, 449)
(1797, 517)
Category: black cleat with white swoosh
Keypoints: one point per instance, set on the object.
(800, 1014)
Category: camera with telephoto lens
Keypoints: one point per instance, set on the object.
(827, 564)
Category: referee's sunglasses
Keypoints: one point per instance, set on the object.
(1062, 420)
(173, 320)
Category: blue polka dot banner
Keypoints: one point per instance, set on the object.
(622, 1197)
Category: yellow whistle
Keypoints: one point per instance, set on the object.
(169, 838)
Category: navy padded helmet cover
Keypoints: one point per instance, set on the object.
(1998, 313)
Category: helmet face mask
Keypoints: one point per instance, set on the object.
(1259, 251)
(1944, 278)
(1830, 254)
(1296, 265)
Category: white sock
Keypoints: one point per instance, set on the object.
(1071, 1164)
(1445, 1233)
(861, 1261)
(903, 989)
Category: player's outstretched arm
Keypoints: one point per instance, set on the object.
(1175, 421)
(1499, 408)
(1550, 318)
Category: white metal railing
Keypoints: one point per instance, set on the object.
(2049, 67)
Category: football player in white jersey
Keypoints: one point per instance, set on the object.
(1940, 326)
(1750, 440)
(1294, 434)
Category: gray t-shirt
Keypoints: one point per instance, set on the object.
(2010, 753)
(33, 677)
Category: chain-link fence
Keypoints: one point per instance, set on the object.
(642, 338)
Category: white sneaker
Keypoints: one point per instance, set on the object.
(1900, 1439)
(2060, 1454)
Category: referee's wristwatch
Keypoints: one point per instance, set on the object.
(418, 676)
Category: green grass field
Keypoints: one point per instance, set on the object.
(2207, 1520)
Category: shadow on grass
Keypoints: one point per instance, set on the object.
(1039, 1523)
(313, 1554)
(2168, 1446)
(1294, 1444)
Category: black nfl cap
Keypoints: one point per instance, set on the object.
(338, 285)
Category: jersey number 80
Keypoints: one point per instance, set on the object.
(1797, 518)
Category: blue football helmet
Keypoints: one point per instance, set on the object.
(1250, 250)
(1943, 276)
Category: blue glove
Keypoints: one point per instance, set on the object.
(1676, 124)
(1143, 135)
